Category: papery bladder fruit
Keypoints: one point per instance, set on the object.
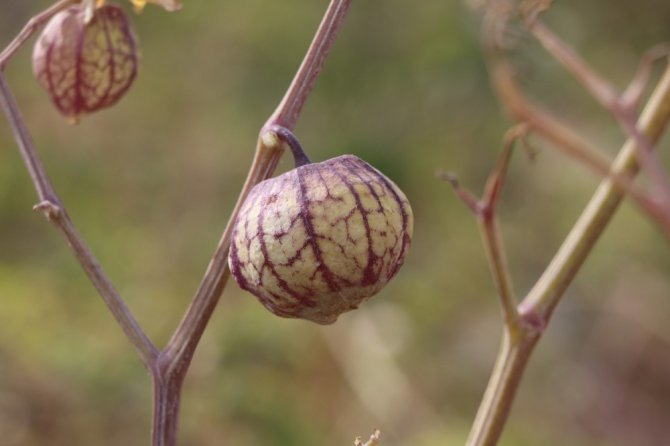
(320, 239)
(86, 65)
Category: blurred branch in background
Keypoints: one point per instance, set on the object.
(520, 335)
(565, 138)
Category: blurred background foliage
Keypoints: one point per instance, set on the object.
(151, 183)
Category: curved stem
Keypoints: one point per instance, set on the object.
(489, 229)
(286, 136)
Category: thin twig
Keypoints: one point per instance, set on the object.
(192, 326)
(489, 228)
(544, 296)
(286, 114)
(561, 135)
(633, 93)
(53, 209)
(618, 104)
(34, 24)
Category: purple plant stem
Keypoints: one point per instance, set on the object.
(175, 359)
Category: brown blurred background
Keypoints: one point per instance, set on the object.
(151, 183)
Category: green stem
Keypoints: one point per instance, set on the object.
(490, 232)
(497, 401)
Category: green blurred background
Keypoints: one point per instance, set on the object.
(151, 182)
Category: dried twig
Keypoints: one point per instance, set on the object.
(620, 105)
(485, 211)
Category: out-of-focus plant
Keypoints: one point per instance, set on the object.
(526, 320)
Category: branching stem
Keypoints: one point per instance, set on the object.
(559, 134)
(536, 309)
(600, 210)
(489, 228)
(618, 104)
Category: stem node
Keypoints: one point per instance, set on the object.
(51, 211)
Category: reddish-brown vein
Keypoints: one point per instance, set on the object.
(306, 214)
(369, 275)
(403, 213)
(267, 263)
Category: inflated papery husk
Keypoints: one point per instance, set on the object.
(320, 239)
(86, 66)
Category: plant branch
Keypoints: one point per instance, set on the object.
(185, 339)
(497, 402)
(561, 135)
(489, 228)
(653, 121)
(286, 114)
(31, 27)
(169, 366)
(536, 309)
(618, 104)
(52, 207)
